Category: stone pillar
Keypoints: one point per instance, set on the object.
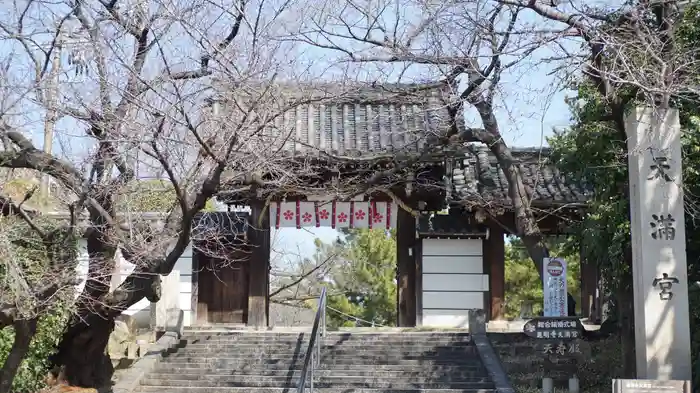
(662, 332)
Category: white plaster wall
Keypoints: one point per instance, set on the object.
(453, 281)
(184, 266)
(141, 310)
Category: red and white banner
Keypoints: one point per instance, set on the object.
(371, 214)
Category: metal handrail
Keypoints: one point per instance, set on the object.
(313, 352)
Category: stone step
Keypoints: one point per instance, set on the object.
(305, 337)
(363, 356)
(286, 366)
(318, 377)
(255, 349)
(318, 385)
(324, 345)
(368, 353)
(330, 359)
(198, 389)
(335, 337)
(324, 382)
(330, 356)
(361, 371)
(408, 342)
(328, 334)
(238, 363)
(414, 333)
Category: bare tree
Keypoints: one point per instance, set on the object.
(467, 46)
(631, 50)
(134, 95)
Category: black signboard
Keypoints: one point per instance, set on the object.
(650, 386)
(548, 328)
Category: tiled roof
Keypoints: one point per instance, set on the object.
(357, 120)
(479, 179)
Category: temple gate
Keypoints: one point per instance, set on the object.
(446, 263)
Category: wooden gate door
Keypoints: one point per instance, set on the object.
(222, 290)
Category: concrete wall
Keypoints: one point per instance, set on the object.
(453, 281)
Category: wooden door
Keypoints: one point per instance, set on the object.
(222, 290)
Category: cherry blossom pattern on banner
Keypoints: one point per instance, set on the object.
(379, 215)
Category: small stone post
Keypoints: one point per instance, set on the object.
(547, 385)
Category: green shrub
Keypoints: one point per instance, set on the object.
(21, 246)
(30, 376)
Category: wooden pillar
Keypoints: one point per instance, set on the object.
(259, 241)
(589, 287)
(494, 263)
(406, 268)
(418, 258)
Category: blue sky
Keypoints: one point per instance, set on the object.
(530, 105)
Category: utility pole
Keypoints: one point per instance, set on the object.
(51, 98)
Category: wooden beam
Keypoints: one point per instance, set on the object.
(406, 268)
(494, 261)
(259, 240)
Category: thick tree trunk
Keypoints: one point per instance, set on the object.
(525, 225)
(82, 349)
(24, 332)
(625, 310)
(82, 352)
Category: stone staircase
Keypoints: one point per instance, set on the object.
(271, 362)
